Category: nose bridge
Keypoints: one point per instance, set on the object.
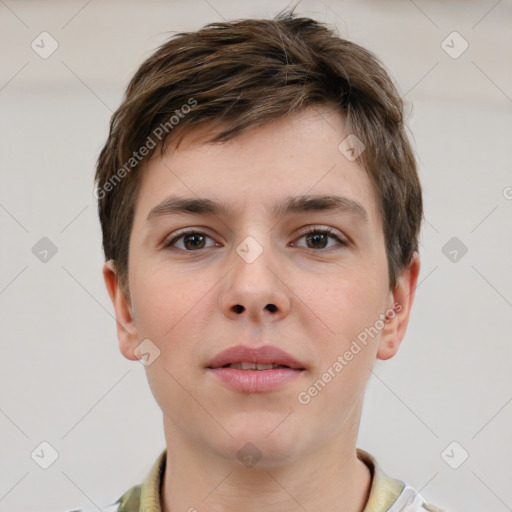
(253, 288)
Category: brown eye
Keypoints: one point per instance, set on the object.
(194, 241)
(189, 241)
(318, 239)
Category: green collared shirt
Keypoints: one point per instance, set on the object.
(386, 494)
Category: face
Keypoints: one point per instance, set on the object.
(283, 247)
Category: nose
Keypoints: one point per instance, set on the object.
(256, 289)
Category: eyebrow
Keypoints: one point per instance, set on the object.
(175, 205)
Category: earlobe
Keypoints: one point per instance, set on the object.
(126, 328)
(399, 310)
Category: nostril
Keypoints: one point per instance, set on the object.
(238, 308)
(271, 307)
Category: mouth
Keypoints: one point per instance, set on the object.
(250, 370)
(266, 357)
(255, 366)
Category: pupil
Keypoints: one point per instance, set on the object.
(317, 238)
(195, 239)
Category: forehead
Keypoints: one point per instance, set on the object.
(256, 172)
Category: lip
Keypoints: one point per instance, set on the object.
(267, 354)
(255, 381)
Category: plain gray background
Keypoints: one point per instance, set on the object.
(63, 380)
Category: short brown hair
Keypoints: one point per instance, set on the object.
(240, 75)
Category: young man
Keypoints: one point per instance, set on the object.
(260, 209)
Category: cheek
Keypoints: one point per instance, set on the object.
(164, 300)
(173, 312)
(351, 304)
(352, 307)
(174, 309)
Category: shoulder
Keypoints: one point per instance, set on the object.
(390, 494)
(139, 497)
(410, 500)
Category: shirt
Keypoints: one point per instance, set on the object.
(386, 494)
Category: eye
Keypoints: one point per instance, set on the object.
(189, 241)
(318, 238)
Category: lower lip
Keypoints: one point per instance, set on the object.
(255, 381)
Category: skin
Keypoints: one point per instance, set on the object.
(324, 294)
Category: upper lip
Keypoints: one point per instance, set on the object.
(267, 354)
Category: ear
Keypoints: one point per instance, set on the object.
(126, 328)
(399, 309)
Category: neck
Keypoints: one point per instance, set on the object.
(330, 478)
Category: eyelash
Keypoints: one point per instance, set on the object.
(312, 231)
(326, 232)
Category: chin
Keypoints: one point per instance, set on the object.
(264, 440)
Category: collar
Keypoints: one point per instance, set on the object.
(384, 490)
